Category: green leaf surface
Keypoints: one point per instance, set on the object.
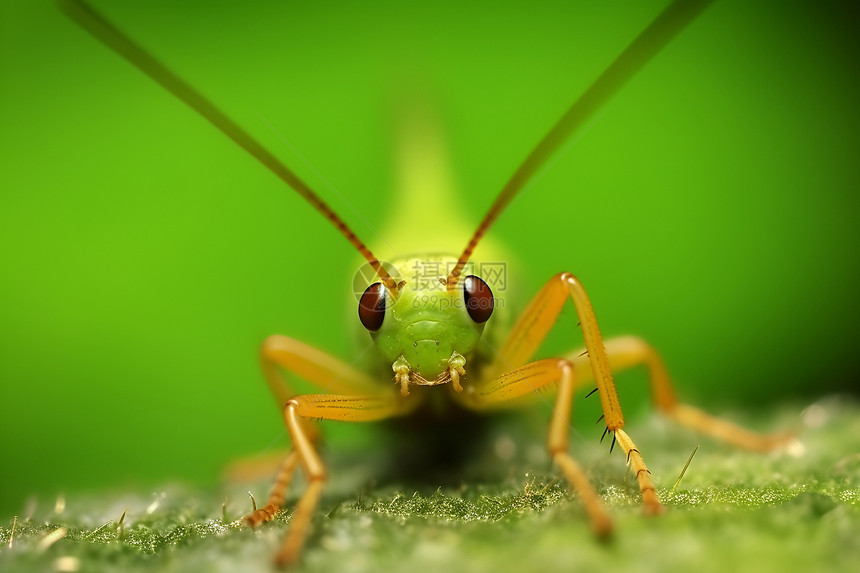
(733, 511)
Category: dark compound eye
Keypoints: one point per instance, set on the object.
(479, 298)
(371, 307)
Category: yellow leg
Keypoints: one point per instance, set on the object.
(528, 334)
(359, 398)
(321, 369)
(650, 501)
(599, 360)
(527, 379)
(628, 351)
(278, 493)
(329, 407)
(535, 323)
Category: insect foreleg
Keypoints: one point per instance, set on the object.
(297, 412)
(525, 380)
(315, 366)
(360, 399)
(535, 323)
(511, 378)
(531, 330)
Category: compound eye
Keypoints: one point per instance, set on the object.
(479, 298)
(371, 307)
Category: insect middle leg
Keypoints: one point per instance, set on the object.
(630, 351)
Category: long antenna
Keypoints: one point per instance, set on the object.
(97, 25)
(660, 32)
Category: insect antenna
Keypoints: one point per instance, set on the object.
(98, 26)
(650, 41)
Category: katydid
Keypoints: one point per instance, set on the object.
(426, 316)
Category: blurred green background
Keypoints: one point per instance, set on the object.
(712, 209)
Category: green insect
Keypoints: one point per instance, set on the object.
(438, 327)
